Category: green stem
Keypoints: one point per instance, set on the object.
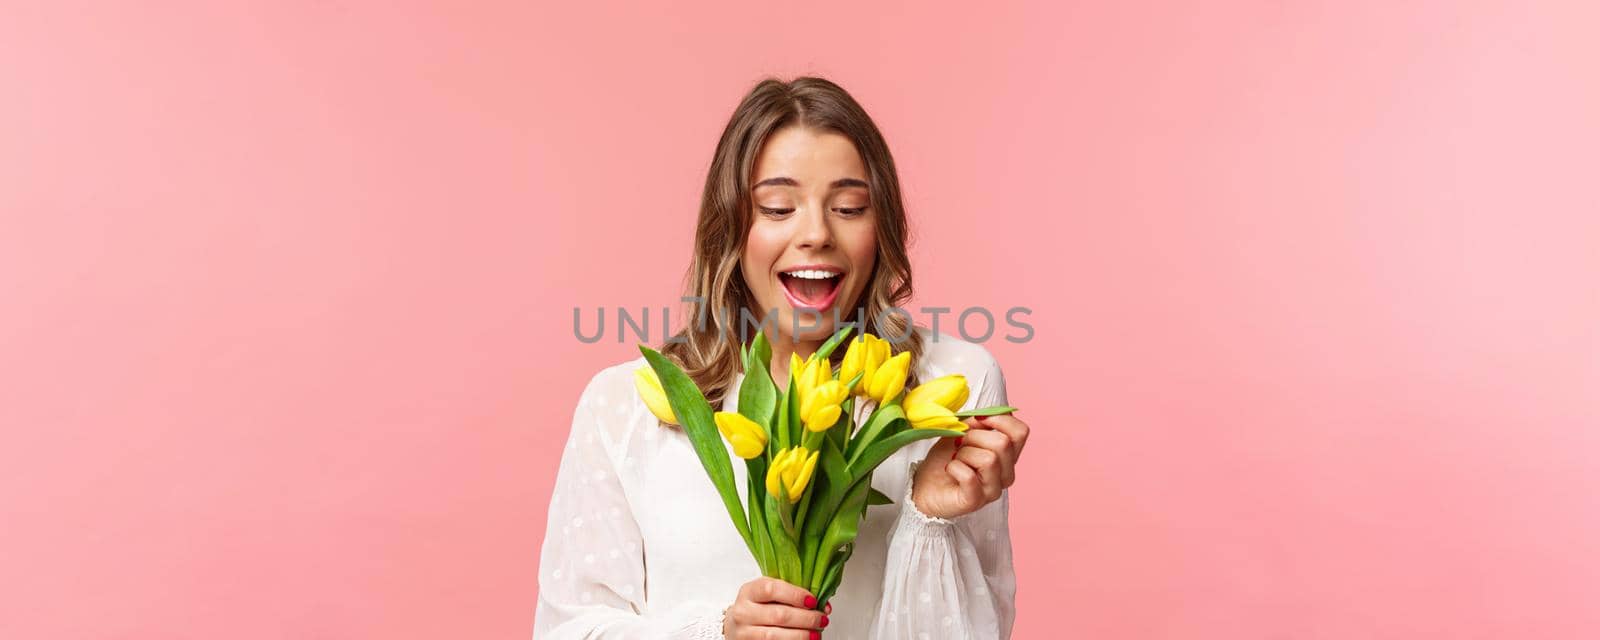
(819, 567)
(812, 440)
(804, 507)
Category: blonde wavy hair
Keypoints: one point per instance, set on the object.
(708, 347)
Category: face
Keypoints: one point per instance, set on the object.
(813, 239)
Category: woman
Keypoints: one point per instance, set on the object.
(801, 215)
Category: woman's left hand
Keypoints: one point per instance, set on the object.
(960, 475)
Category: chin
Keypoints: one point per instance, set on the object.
(789, 317)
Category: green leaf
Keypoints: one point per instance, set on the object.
(754, 494)
(796, 429)
(799, 529)
(758, 396)
(876, 497)
(830, 580)
(842, 530)
(694, 413)
(877, 452)
(826, 350)
(880, 419)
(833, 465)
(824, 495)
(761, 352)
(785, 554)
(986, 411)
(778, 440)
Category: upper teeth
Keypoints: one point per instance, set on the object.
(812, 274)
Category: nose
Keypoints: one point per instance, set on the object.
(814, 232)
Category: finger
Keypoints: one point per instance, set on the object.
(778, 615)
(1015, 429)
(967, 478)
(1002, 446)
(768, 590)
(992, 440)
(775, 633)
(943, 450)
(828, 608)
(971, 423)
(986, 463)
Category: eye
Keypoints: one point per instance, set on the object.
(851, 211)
(775, 212)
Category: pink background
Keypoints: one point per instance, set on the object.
(286, 293)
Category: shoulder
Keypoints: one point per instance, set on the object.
(609, 409)
(943, 354)
(611, 388)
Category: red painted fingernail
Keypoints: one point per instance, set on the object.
(816, 635)
(827, 608)
(960, 440)
(824, 621)
(811, 603)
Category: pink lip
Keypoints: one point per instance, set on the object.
(826, 303)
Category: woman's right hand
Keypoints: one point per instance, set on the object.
(771, 609)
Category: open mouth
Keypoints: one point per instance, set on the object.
(813, 287)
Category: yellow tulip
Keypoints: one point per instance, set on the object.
(927, 415)
(819, 408)
(890, 378)
(748, 438)
(865, 354)
(797, 368)
(932, 405)
(790, 472)
(809, 373)
(855, 359)
(948, 391)
(655, 397)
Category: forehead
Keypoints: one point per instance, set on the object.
(801, 153)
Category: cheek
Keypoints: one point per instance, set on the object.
(761, 250)
(765, 240)
(860, 243)
(862, 246)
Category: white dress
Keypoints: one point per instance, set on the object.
(639, 545)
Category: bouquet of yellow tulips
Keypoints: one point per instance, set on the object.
(801, 526)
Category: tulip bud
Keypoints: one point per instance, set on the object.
(789, 473)
(928, 415)
(874, 351)
(855, 359)
(819, 408)
(649, 387)
(948, 391)
(890, 378)
(748, 438)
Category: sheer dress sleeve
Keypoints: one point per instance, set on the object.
(591, 568)
(951, 578)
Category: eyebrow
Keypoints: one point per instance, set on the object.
(790, 182)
